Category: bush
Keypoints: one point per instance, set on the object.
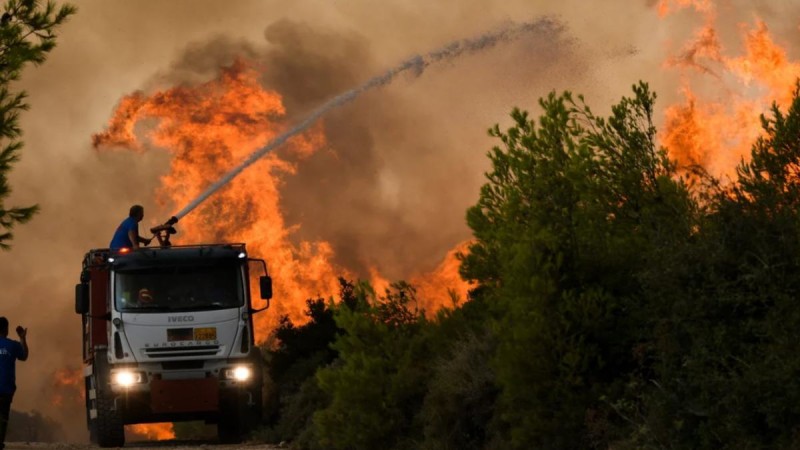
(292, 365)
(459, 405)
(32, 427)
(378, 385)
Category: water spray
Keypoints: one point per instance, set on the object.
(415, 65)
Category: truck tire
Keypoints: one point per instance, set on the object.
(107, 427)
(229, 431)
(232, 426)
(255, 412)
(90, 423)
(110, 429)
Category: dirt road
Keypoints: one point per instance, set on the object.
(176, 445)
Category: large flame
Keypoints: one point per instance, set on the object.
(211, 127)
(718, 134)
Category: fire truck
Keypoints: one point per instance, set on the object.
(168, 336)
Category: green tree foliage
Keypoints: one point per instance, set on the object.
(574, 207)
(461, 395)
(392, 377)
(615, 307)
(27, 35)
(293, 362)
(378, 384)
(725, 359)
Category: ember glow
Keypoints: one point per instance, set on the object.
(152, 431)
(716, 129)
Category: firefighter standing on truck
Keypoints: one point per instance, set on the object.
(127, 234)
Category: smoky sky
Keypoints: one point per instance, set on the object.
(400, 166)
(387, 176)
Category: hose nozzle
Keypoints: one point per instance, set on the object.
(164, 231)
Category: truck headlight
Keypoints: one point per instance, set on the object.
(239, 373)
(126, 378)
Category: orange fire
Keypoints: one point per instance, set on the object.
(67, 387)
(443, 287)
(153, 431)
(440, 288)
(717, 134)
(208, 129)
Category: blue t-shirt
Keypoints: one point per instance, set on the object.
(121, 238)
(10, 352)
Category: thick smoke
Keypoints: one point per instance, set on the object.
(391, 173)
(330, 200)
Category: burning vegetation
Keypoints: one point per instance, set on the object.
(580, 309)
(617, 306)
(715, 128)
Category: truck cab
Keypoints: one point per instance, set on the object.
(168, 336)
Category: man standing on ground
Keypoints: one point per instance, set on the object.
(127, 234)
(10, 352)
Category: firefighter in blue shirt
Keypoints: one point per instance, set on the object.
(10, 352)
(127, 234)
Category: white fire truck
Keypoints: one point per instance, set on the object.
(168, 336)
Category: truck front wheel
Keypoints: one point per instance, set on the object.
(107, 429)
(229, 431)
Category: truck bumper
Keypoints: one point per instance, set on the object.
(177, 400)
(181, 396)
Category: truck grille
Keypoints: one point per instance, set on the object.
(183, 364)
(173, 352)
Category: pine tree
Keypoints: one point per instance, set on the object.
(574, 207)
(27, 35)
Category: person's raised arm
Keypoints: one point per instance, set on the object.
(23, 334)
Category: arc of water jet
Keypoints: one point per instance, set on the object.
(415, 65)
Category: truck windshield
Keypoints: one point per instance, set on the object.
(183, 288)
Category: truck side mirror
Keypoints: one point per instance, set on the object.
(82, 298)
(265, 283)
